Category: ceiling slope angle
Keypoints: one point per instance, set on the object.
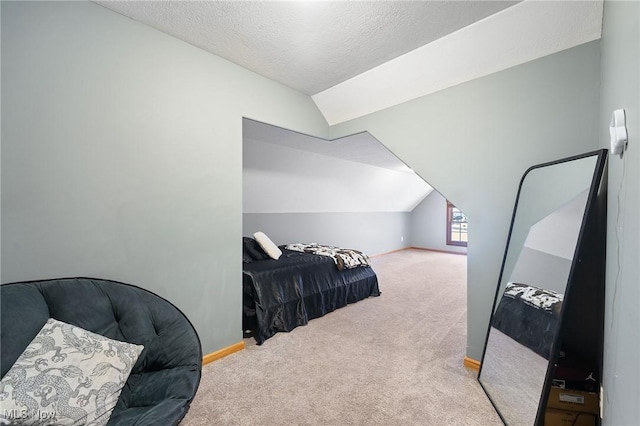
(356, 58)
(279, 179)
(360, 147)
(307, 45)
(289, 172)
(526, 31)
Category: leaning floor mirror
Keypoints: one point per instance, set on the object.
(545, 335)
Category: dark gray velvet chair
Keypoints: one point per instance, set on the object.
(165, 378)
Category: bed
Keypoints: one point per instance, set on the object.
(280, 295)
(529, 315)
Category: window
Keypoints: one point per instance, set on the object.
(456, 226)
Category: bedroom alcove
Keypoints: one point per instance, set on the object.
(350, 192)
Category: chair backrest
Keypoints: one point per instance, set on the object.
(109, 308)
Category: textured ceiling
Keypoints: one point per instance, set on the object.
(307, 45)
(521, 33)
(358, 57)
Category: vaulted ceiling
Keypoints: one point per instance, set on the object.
(289, 172)
(355, 58)
(309, 46)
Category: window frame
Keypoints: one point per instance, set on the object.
(451, 242)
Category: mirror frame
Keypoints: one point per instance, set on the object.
(598, 180)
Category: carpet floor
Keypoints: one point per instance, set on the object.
(389, 360)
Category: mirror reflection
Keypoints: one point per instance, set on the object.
(545, 229)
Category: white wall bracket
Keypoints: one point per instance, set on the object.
(618, 132)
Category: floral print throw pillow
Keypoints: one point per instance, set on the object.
(66, 376)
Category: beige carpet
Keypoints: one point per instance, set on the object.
(391, 360)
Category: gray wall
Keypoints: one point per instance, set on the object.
(541, 270)
(545, 258)
(371, 233)
(620, 88)
(429, 225)
(540, 196)
(122, 157)
(504, 123)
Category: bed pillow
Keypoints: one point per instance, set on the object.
(267, 245)
(253, 249)
(67, 375)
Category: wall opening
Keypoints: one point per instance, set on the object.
(351, 192)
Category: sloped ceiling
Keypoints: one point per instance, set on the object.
(289, 172)
(527, 31)
(308, 45)
(360, 148)
(355, 58)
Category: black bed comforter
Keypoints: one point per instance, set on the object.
(529, 315)
(279, 295)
